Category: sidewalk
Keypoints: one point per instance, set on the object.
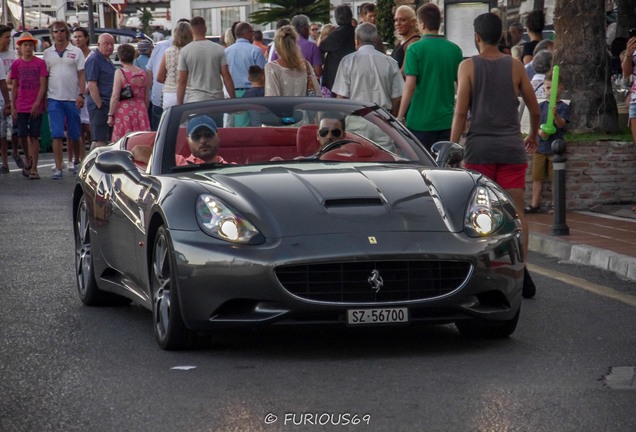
(605, 240)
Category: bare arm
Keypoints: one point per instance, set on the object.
(530, 99)
(182, 80)
(228, 81)
(395, 105)
(114, 99)
(407, 96)
(627, 65)
(94, 91)
(162, 72)
(35, 110)
(462, 103)
(79, 100)
(14, 94)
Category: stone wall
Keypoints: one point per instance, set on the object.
(601, 172)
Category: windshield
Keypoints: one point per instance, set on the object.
(270, 130)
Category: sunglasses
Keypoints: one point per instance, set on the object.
(315, 29)
(335, 132)
(198, 135)
(58, 31)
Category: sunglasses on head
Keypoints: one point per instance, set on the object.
(335, 132)
(198, 135)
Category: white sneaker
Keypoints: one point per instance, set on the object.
(70, 166)
(57, 174)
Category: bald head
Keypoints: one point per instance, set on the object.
(106, 44)
(244, 30)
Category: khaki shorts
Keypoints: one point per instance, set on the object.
(541, 164)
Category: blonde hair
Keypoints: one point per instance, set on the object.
(287, 49)
(324, 32)
(182, 35)
(229, 37)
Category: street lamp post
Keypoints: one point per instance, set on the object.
(23, 15)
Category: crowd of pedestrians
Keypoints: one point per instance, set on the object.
(424, 81)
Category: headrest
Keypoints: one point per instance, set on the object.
(307, 140)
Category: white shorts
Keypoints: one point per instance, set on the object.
(84, 115)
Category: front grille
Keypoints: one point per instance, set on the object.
(348, 282)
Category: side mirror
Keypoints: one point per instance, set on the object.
(120, 162)
(448, 154)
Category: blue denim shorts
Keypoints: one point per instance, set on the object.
(60, 111)
(632, 110)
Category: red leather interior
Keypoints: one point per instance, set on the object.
(262, 144)
(251, 144)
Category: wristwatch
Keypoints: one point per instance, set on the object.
(401, 119)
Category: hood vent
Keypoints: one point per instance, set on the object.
(352, 202)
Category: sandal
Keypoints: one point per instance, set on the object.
(34, 176)
(25, 172)
(531, 209)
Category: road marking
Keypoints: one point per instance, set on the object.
(585, 284)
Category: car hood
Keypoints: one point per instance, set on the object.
(319, 199)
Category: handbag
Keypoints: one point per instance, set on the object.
(126, 91)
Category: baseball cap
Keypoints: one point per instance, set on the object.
(199, 122)
(144, 46)
(140, 35)
(26, 37)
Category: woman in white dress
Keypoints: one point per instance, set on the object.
(290, 74)
(167, 73)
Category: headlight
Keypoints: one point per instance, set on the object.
(485, 214)
(220, 221)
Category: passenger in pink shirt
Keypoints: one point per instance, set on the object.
(29, 76)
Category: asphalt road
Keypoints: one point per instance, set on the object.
(66, 367)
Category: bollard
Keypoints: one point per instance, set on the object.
(559, 227)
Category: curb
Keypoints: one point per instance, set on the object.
(622, 265)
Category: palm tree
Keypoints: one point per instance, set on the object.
(316, 10)
(582, 56)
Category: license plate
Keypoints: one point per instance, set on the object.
(377, 315)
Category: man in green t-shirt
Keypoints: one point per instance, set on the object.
(431, 72)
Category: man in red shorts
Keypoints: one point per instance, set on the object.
(487, 86)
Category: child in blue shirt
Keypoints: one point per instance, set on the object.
(542, 157)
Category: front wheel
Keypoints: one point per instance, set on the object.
(170, 330)
(488, 329)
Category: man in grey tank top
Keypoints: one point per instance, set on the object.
(488, 86)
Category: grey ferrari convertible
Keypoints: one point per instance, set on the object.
(270, 210)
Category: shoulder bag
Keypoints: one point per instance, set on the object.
(126, 91)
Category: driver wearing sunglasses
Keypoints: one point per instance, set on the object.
(330, 130)
(203, 141)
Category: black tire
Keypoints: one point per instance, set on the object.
(169, 328)
(87, 289)
(479, 328)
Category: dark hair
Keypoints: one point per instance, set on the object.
(61, 25)
(548, 76)
(81, 29)
(255, 72)
(198, 22)
(126, 53)
(258, 35)
(4, 29)
(282, 22)
(343, 14)
(366, 8)
(488, 27)
(535, 22)
(430, 16)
